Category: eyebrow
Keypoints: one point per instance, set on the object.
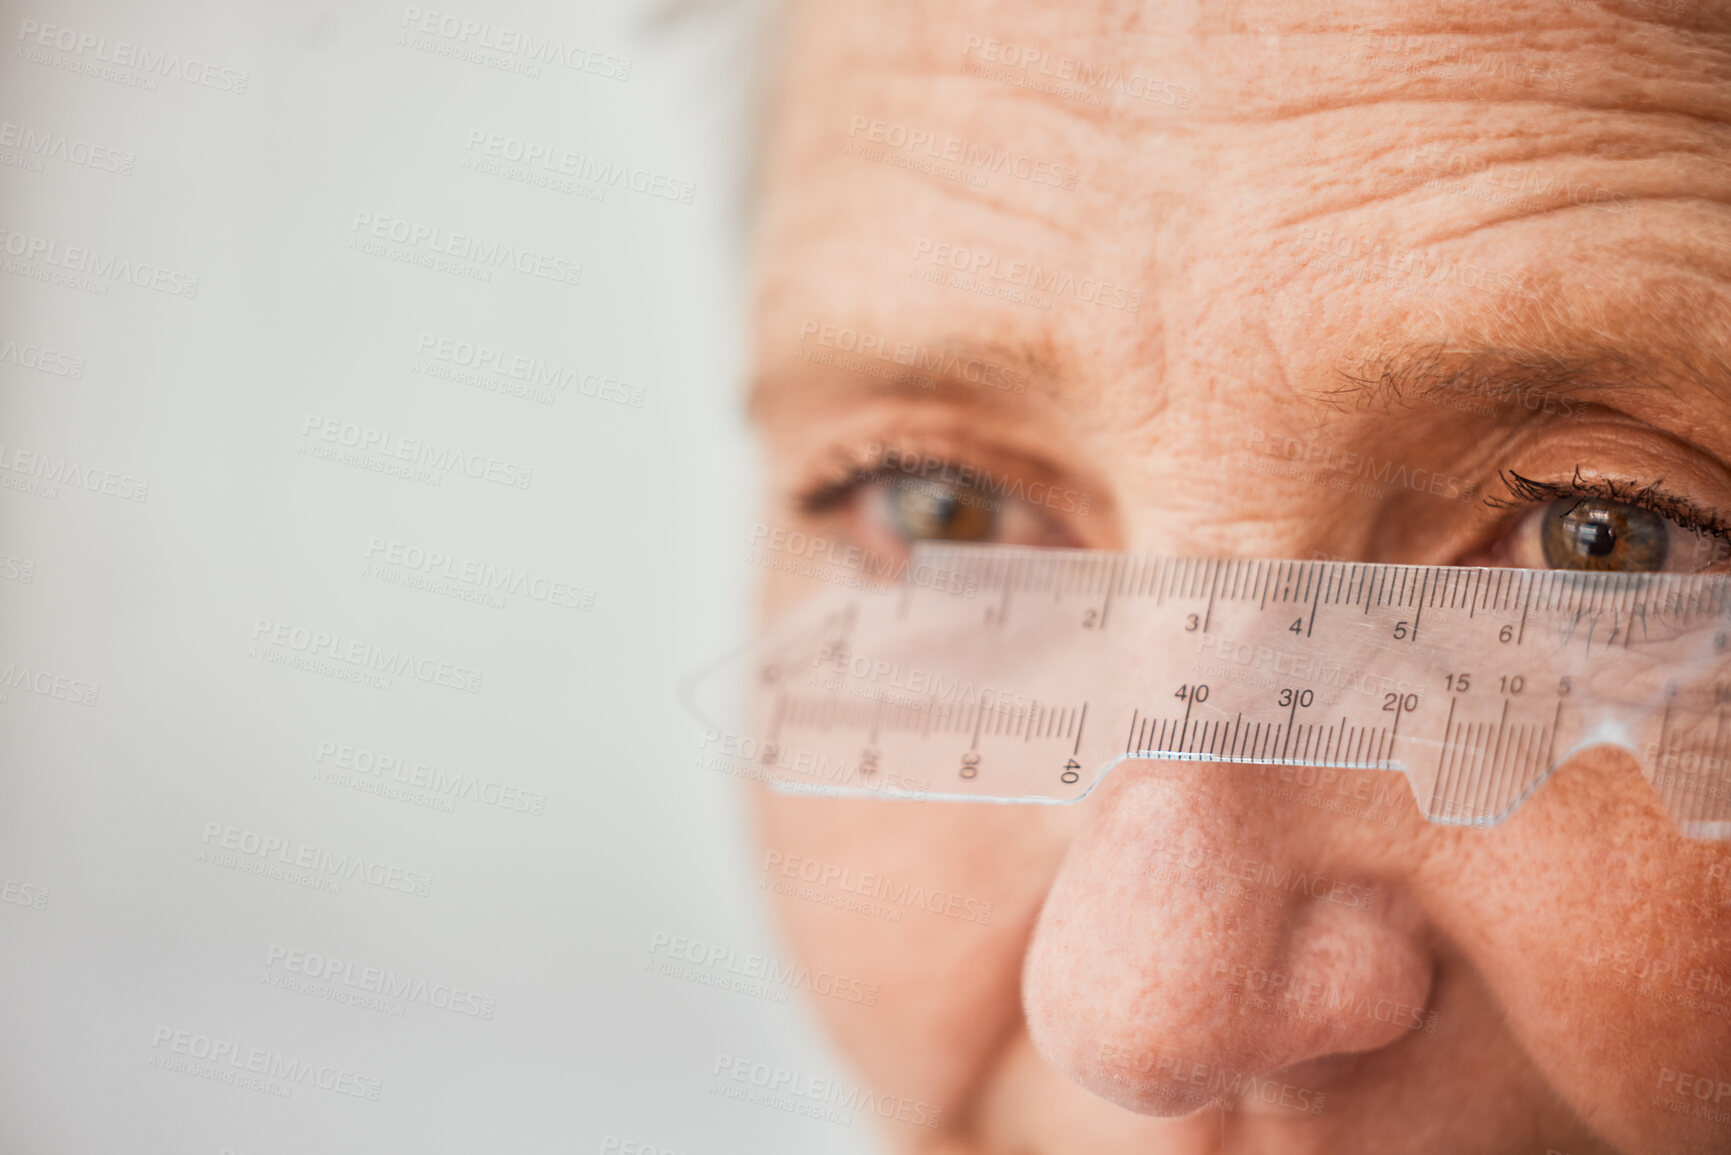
(1408, 376)
(944, 369)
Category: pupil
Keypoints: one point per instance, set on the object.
(1594, 538)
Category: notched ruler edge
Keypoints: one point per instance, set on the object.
(1025, 675)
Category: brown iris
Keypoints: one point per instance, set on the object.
(1595, 533)
(936, 510)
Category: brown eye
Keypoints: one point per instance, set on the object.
(1586, 532)
(1593, 533)
(922, 510)
(888, 514)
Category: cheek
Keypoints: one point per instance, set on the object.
(1602, 934)
(929, 906)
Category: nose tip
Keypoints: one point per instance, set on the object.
(1196, 947)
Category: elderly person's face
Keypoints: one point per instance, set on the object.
(1485, 242)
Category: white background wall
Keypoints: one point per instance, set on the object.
(107, 804)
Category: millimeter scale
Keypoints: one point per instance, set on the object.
(1016, 674)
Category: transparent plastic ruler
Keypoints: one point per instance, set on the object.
(1023, 675)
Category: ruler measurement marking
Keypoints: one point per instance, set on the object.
(1399, 712)
(1551, 746)
(1718, 746)
(1664, 727)
(1491, 789)
(1477, 769)
(1442, 797)
(1514, 763)
(1111, 583)
(1496, 756)
(1210, 616)
(1464, 769)
(1518, 762)
(1418, 613)
(1532, 749)
(1526, 604)
(1467, 774)
(1442, 754)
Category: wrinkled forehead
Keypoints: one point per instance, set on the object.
(1122, 184)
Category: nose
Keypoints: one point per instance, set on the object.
(1206, 940)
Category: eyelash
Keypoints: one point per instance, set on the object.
(846, 474)
(1525, 492)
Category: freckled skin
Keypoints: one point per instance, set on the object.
(1572, 165)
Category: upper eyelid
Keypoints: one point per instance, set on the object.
(825, 495)
(850, 467)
